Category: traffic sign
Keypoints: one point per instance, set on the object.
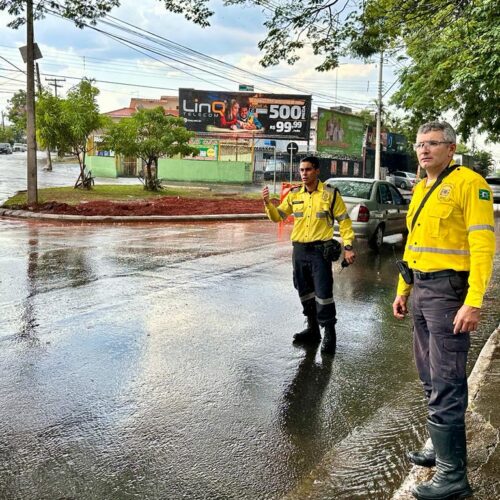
(292, 148)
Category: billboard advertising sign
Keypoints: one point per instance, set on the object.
(339, 133)
(246, 114)
(390, 142)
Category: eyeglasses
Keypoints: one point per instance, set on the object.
(429, 144)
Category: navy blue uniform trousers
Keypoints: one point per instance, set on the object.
(313, 280)
(440, 355)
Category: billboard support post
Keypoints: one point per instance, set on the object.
(291, 165)
(274, 175)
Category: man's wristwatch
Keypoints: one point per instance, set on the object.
(348, 247)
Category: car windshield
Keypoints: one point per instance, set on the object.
(354, 189)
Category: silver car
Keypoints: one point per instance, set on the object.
(376, 208)
(494, 183)
(403, 180)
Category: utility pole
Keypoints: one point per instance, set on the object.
(3, 121)
(49, 159)
(379, 119)
(55, 83)
(32, 181)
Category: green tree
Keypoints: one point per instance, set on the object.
(483, 163)
(150, 135)
(66, 124)
(81, 11)
(452, 50)
(8, 134)
(49, 116)
(16, 112)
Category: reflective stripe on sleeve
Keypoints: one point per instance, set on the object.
(282, 214)
(321, 215)
(324, 302)
(438, 250)
(298, 214)
(342, 217)
(480, 227)
(307, 297)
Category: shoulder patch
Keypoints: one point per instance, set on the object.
(484, 194)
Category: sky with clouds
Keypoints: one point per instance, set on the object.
(232, 38)
(123, 71)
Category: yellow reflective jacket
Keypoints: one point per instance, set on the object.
(455, 230)
(312, 214)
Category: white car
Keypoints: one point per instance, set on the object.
(19, 146)
(376, 208)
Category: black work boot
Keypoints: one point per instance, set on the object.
(311, 334)
(329, 344)
(450, 480)
(425, 457)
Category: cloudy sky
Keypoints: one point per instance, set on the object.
(153, 69)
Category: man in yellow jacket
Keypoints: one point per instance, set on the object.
(447, 265)
(314, 207)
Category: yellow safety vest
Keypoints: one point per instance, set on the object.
(455, 230)
(312, 214)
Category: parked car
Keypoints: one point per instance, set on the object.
(376, 208)
(494, 183)
(5, 148)
(403, 180)
(277, 166)
(19, 146)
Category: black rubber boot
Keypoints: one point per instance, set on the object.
(425, 457)
(450, 480)
(329, 344)
(310, 335)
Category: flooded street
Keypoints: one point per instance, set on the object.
(155, 361)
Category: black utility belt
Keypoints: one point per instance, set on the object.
(439, 274)
(309, 244)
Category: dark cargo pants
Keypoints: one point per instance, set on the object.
(313, 280)
(441, 356)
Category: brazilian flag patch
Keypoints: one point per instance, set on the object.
(484, 194)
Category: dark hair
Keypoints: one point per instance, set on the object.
(312, 160)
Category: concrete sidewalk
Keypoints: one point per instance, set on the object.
(483, 428)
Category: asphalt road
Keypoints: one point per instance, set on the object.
(155, 361)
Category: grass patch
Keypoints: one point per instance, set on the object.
(73, 196)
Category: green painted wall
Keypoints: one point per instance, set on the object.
(101, 166)
(173, 169)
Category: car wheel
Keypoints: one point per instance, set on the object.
(375, 242)
(403, 185)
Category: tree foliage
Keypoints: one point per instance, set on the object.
(451, 47)
(483, 162)
(83, 11)
(150, 135)
(16, 111)
(66, 124)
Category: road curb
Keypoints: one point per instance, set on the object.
(475, 381)
(26, 214)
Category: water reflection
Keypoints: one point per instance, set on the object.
(29, 323)
(301, 408)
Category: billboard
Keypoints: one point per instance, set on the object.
(246, 114)
(390, 142)
(339, 133)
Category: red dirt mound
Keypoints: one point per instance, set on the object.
(167, 205)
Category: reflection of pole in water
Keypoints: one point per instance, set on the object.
(28, 318)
